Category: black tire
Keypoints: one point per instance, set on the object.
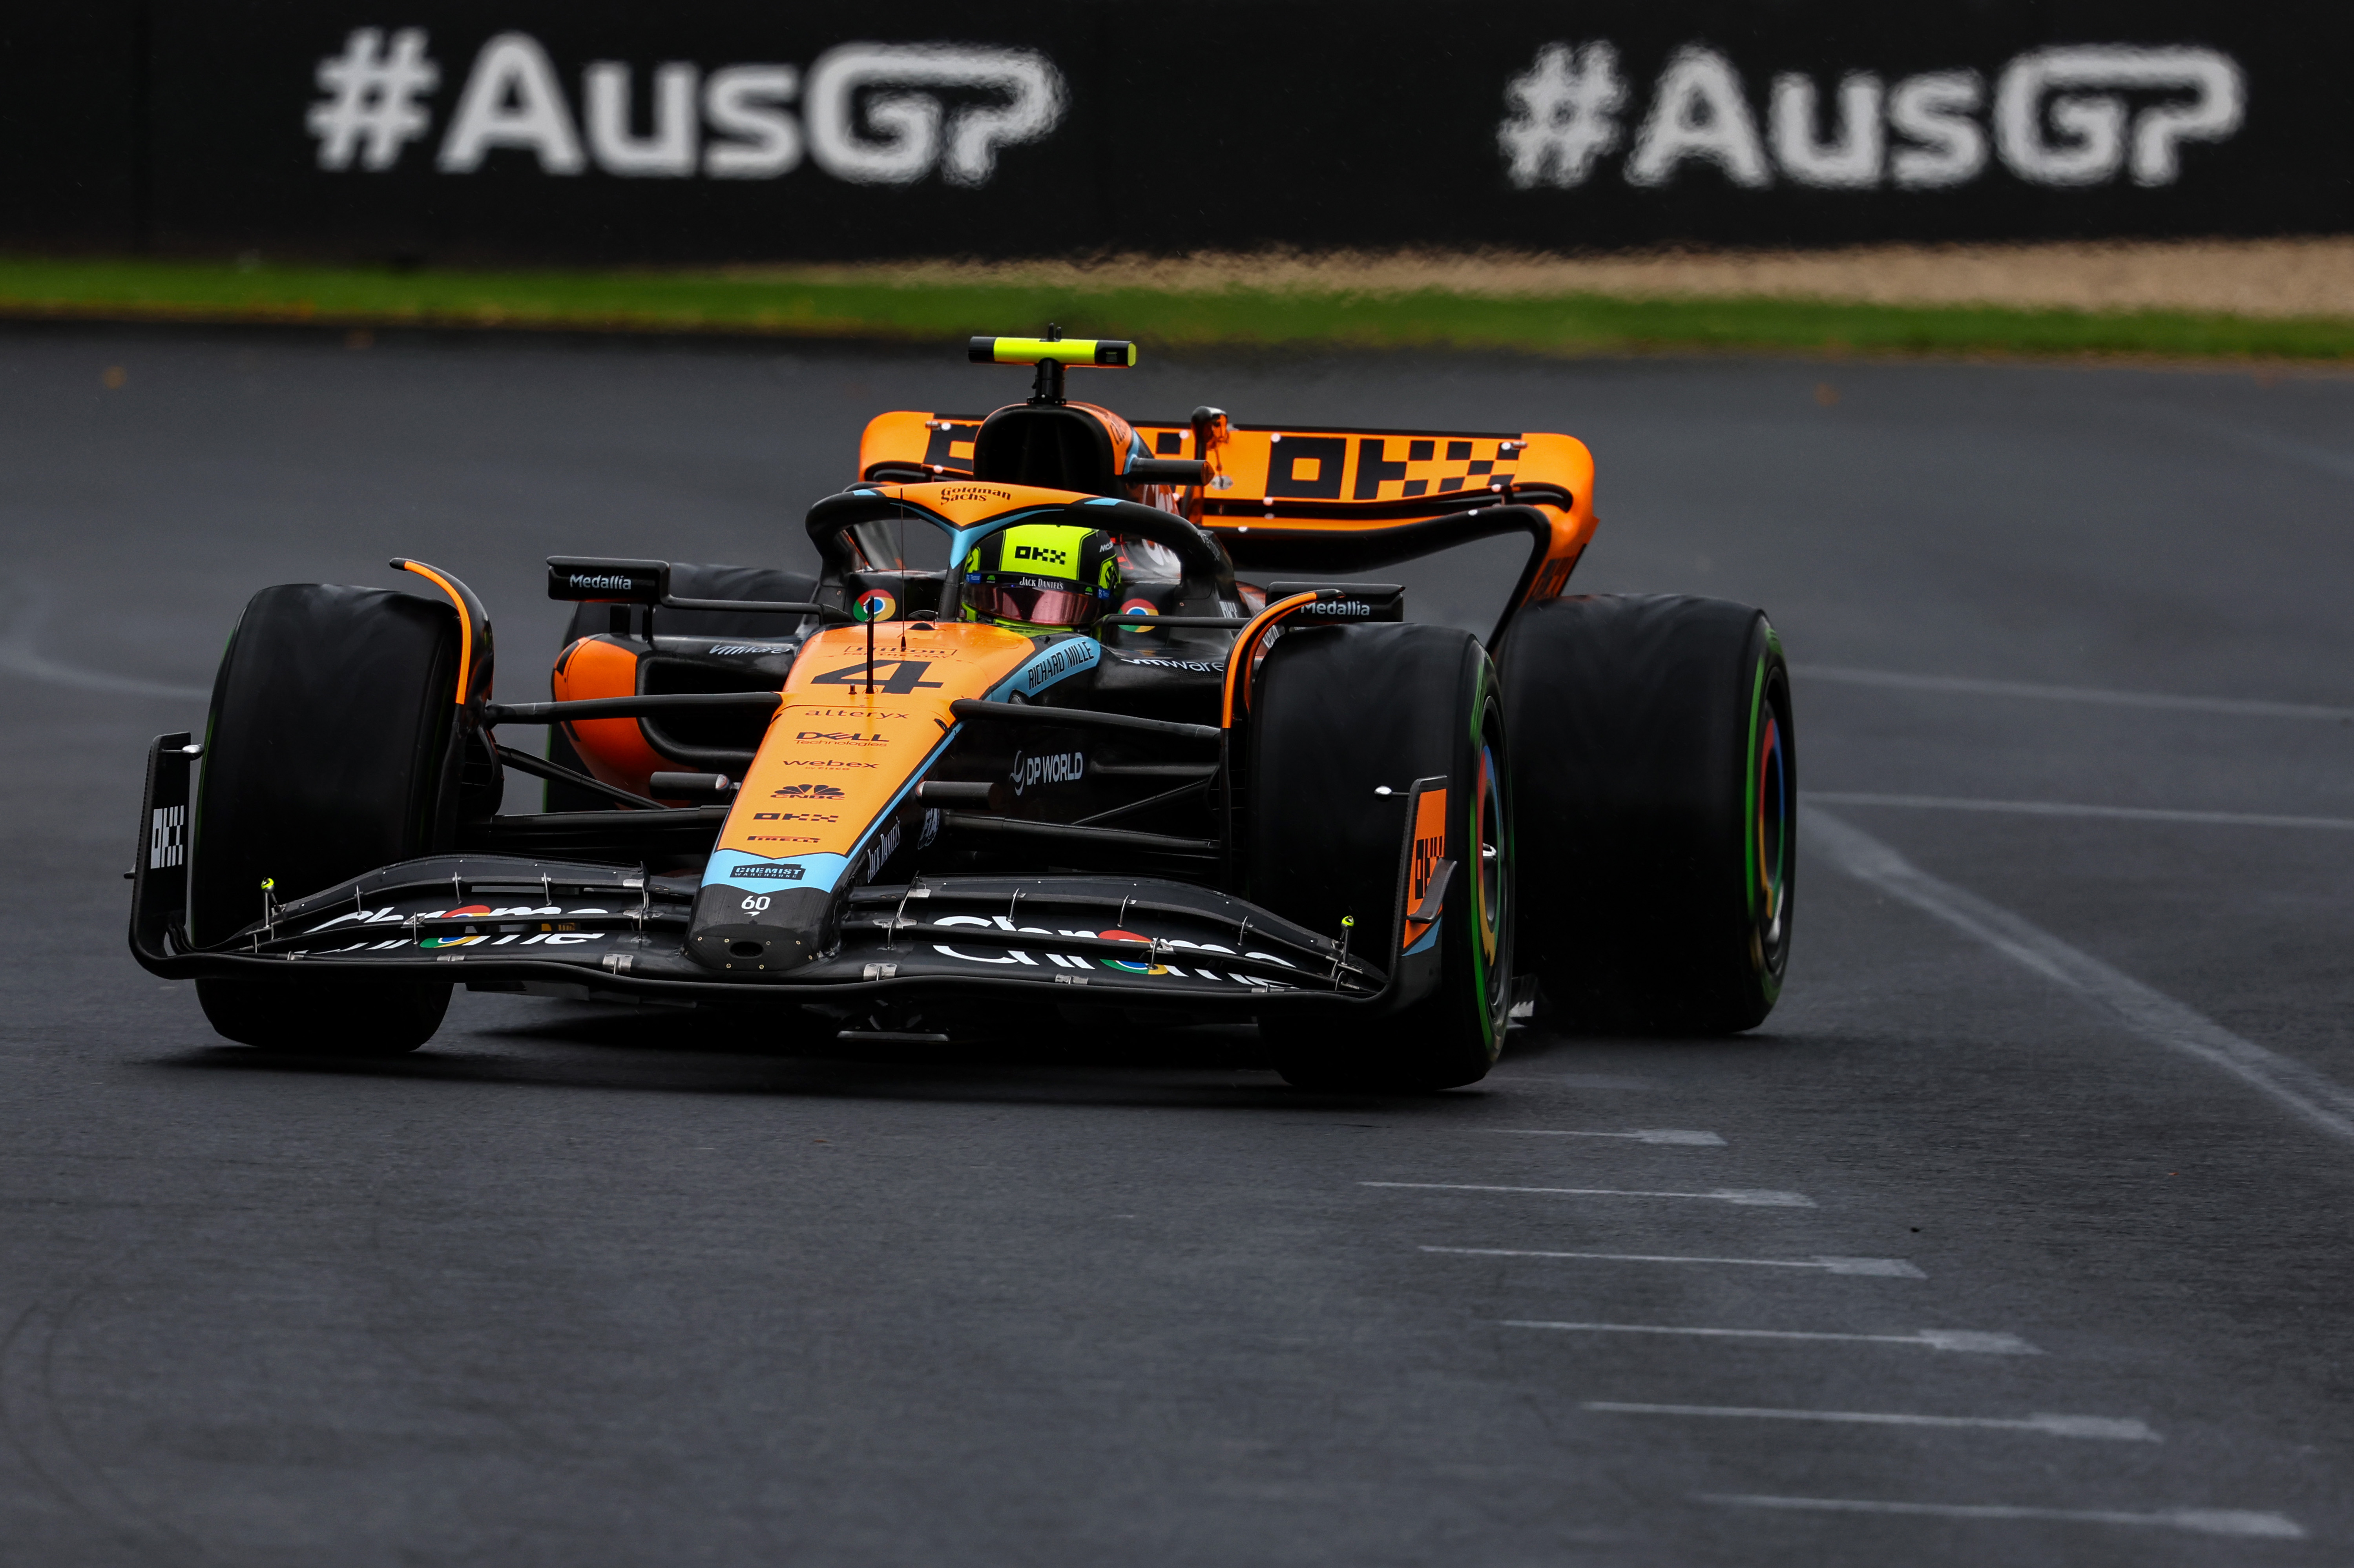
(1341, 711)
(363, 1018)
(330, 751)
(1655, 771)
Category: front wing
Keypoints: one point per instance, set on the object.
(581, 930)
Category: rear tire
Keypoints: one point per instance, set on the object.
(329, 752)
(1342, 711)
(1656, 775)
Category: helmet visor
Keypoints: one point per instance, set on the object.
(1032, 603)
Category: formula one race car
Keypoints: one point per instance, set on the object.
(1025, 749)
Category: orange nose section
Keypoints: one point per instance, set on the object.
(829, 799)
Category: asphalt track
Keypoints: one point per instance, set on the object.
(2063, 1057)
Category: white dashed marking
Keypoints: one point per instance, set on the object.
(1885, 1267)
(2073, 808)
(1640, 1135)
(2118, 1430)
(1577, 1080)
(1747, 1196)
(1968, 1340)
(2245, 708)
(2197, 1521)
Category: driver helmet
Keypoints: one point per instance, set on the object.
(1042, 577)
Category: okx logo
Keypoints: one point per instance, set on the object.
(881, 114)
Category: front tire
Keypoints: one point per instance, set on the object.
(330, 751)
(361, 1018)
(1656, 770)
(1344, 713)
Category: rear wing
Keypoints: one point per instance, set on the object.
(1327, 499)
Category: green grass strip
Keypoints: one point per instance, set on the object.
(844, 303)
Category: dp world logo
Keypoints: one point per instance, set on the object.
(868, 113)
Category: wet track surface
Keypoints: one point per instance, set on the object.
(2038, 1165)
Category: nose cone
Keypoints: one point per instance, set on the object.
(771, 933)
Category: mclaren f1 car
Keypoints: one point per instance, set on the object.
(1082, 714)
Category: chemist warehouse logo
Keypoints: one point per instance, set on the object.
(2060, 117)
(876, 115)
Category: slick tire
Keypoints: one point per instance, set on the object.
(330, 750)
(1655, 774)
(1342, 713)
(367, 1018)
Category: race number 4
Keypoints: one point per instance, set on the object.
(907, 674)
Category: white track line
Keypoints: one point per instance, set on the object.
(19, 657)
(2050, 1425)
(2197, 1520)
(1884, 1267)
(1748, 1197)
(1577, 1080)
(2150, 1014)
(2246, 707)
(1968, 1340)
(18, 660)
(2069, 809)
(1640, 1135)
(2205, 429)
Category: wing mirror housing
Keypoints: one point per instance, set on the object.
(597, 580)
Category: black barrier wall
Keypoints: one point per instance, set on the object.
(533, 130)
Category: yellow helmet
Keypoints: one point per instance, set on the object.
(1042, 577)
